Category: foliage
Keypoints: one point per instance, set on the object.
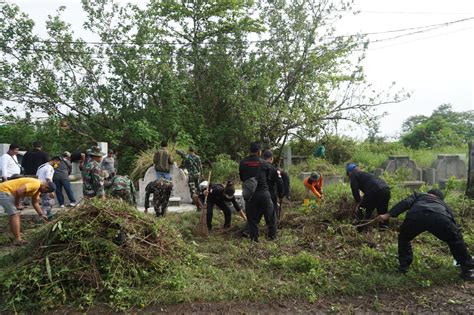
(443, 127)
(189, 68)
(224, 169)
(103, 251)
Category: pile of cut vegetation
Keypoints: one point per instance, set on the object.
(101, 252)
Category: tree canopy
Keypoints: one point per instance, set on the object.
(443, 127)
(217, 74)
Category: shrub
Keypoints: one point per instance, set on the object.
(224, 169)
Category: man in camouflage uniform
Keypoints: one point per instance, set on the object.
(161, 190)
(192, 163)
(93, 176)
(121, 187)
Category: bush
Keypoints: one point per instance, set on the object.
(224, 169)
(103, 251)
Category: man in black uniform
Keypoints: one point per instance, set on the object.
(219, 195)
(33, 159)
(260, 204)
(376, 193)
(275, 185)
(428, 212)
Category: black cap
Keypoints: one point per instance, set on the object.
(436, 192)
(267, 154)
(254, 147)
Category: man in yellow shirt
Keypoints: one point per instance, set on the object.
(13, 191)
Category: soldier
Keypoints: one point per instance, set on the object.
(119, 186)
(275, 185)
(93, 176)
(161, 190)
(192, 163)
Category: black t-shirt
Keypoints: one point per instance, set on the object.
(248, 168)
(32, 160)
(216, 195)
(367, 183)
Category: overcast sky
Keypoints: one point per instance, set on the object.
(436, 66)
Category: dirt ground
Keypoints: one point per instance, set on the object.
(457, 299)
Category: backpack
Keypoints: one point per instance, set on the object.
(249, 186)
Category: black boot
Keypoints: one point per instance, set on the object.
(467, 275)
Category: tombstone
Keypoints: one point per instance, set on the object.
(396, 162)
(104, 147)
(378, 171)
(180, 185)
(4, 148)
(470, 174)
(429, 176)
(286, 157)
(413, 184)
(449, 165)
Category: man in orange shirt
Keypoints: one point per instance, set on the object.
(12, 191)
(313, 183)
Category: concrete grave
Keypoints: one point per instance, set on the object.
(396, 162)
(470, 181)
(180, 185)
(449, 165)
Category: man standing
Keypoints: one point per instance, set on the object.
(253, 168)
(9, 162)
(33, 159)
(428, 212)
(163, 161)
(108, 163)
(192, 163)
(93, 176)
(275, 185)
(376, 193)
(45, 172)
(61, 179)
(12, 191)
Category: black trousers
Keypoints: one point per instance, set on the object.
(224, 207)
(374, 200)
(440, 226)
(260, 205)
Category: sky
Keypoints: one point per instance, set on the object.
(436, 67)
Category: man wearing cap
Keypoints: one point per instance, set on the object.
(260, 204)
(61, 179)
(313, 183)
(119, 186)
(219, 195)
(428, 212)
(376, 193)
(192, 163)
(93, 176)
(161, 191)
(12, 191)
(275, 184)
(45, 172)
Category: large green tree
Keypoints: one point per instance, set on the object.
(443, 127)
(215, 73)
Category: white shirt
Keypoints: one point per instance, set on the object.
(9, 165)
(45, 172)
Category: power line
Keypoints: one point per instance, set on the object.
(414, 12)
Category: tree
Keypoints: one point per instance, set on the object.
(190, 70)
(443, 127)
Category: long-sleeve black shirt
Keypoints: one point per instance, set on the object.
(418, 202)
(216, 195)
(275, 183)
(248, 168)
(367, 183)
(32, 160)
